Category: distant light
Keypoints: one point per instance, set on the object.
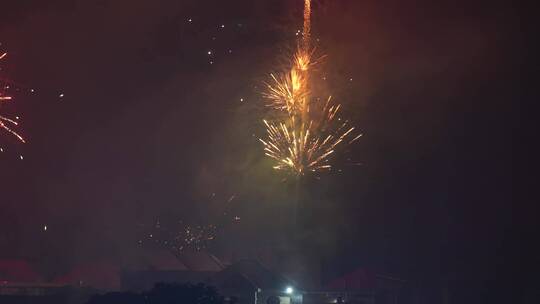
(61, 95)
(209, 52)
(21, 157)
(241, 99)
(189, 20)
(45, 228)
(223, 26)
(289, 290)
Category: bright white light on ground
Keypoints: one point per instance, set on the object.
(289, 290)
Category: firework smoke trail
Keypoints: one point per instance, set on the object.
(5, 122)
(307, 25)
(308, 136)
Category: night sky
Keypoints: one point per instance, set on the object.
(151, 125)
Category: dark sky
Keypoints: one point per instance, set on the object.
(148, 126)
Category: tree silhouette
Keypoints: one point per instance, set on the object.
(164, 293)
(118, 298)
(188, 293)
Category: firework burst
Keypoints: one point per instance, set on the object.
(302, 147)
(287, 92)
(6, 123)
(311, 131)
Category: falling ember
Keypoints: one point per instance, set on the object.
(309, 135)
(7, 123)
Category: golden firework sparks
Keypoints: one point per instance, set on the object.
(307, 146)
(287, 92)
(310, 133)
(7, 123)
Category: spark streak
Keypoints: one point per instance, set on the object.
(7, 123)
